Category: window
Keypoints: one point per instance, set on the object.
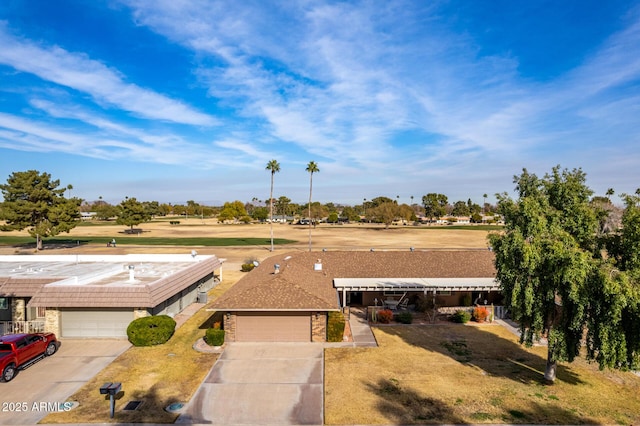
(444, 292)
(4, 303)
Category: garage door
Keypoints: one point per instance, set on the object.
(273, 327)
(95, 323)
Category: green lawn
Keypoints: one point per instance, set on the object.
(144, 241)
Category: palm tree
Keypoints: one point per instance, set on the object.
(610, 192)
(312, 168)
(274, 167)
(484, 203)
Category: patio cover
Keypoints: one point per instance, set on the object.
(416, 284)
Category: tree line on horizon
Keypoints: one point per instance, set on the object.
(568, 262)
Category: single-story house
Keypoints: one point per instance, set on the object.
(99, 295)
(288, 296)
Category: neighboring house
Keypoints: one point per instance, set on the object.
(288, 297)
(87, 215)
(96, 295)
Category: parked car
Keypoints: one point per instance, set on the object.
(18, 351)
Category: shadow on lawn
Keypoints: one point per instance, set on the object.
(546, 414)
(53, 243)
(405, 406)
(473, 346)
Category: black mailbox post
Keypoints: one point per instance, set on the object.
(111, 389)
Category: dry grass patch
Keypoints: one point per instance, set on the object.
(157, 375)
(468, 374)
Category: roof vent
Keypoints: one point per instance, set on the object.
(318, 265)
(276, 268)
(131, 274)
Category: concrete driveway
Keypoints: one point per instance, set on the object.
(261, 383)
(39, 389)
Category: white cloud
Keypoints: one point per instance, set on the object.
(105, 85)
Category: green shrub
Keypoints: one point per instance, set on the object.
(335, 327)
(214, 337)
(404, 317)
(385, 316)
(461, 316)
(150, 331)
(246, 267)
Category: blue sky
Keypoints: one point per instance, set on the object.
(173, 100)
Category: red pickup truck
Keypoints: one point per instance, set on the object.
(18, 351)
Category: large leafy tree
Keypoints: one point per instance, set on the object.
(33, 201)
(282, 205)
(545, 260)
(350, 214)
(232, 211)
(556, 279)
(105, 211)
(259, 213)
(434, 205)
(614, 291)
(385, 213)
(460, 208)
(274, 167)
(132, 212)
(312, 168)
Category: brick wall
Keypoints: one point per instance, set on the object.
(52, 321)
(18, 312)
(319, 327)
(140, 313)
(229, 326)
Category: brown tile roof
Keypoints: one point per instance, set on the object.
(298, 287)
(19, 287)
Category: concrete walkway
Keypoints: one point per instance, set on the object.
(259, 384)
(360, 329)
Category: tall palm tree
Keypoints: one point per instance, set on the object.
(273, 166)
(484, 203)
(312, 168)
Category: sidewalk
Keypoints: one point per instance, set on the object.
(360, 332)
(181, 317)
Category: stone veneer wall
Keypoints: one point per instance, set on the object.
(319, 327)
(140, 313)
(52, 321)
(229, 326)
(18, 312)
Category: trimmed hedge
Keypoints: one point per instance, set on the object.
(335, 327)
(151, 331)
(461, 316)
(214, 337)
